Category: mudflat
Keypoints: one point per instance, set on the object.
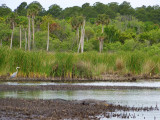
(65, 87)
(59, 109)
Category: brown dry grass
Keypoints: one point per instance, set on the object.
(120, 65)
(149, 68)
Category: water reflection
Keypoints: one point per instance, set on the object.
(138, 84)
(125, 97)
(20, 94)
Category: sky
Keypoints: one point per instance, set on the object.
(13, 4)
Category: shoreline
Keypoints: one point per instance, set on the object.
(103, 78)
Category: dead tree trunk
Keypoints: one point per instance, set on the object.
(29, 33)
(20, 31)
(79, 46)
(1, 43)
(25, 40)
(12, 36)
(83, 35)
(102, 28)
(81, 43)
(77, 35)
(101, 40)
(48, 38)
(100, 46)
(33, 31)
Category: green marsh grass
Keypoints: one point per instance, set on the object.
(29, 62)
(74, 65)
(134, 61)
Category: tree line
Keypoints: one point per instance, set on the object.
(113, 9)
(103, 27)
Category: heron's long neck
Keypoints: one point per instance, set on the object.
(17, 70)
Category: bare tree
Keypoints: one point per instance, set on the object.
(12, 36)
(25, 40)
(33, 10)
(76, 22)
(81, 42)
(48, 38)
(12, 19)
(20, 32)
(1, 43)
(29, 33)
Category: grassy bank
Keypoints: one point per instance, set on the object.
(73, 65)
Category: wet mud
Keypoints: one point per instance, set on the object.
(65, 87)
(59, 109)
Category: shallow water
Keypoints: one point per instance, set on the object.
(123, 97)
(133, 97)
(155, 84)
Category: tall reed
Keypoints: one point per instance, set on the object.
(73, 65)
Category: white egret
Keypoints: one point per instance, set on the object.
(15, 73)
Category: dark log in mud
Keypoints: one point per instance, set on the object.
(17, 109)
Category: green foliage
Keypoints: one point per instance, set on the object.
(4, 32)
(45, 20)
(117, 46)
(89, 33)
(4, 10)
(34, 9)
(103, 19)
(12, 19)
(76, 21)
(128, 29)
(112, 33)
(71, 12)
(22, 21)
(88, 46)
(89, 12)
(41, 40)
(150, 26)
(152, 36)
(21, 9)
(126, 9)
(54, 10)
(130, 45)
(61, 46)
